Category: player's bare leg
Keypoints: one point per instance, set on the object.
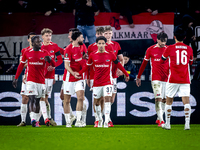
(34, 108)
(107, 110)
(168, 111)
(66, 106)
(187, 110)
(158, 107)
(72, 117)
(43, 109)
(23, 110)
(79, 107)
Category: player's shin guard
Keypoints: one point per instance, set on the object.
(43, 109)
(159, 110)
(168, 111)
(187, 110)
(23, 111)
(48, 110)
(67, 118)
(98, 110)
(107, 111)
(84, 111)
(163, 108)
(78, 114)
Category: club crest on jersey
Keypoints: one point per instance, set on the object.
(66, 55)
(107, 60)
(155, 28)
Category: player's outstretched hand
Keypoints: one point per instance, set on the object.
(14, 83)
(127, 79)
(76, 75)
(138, 82)
(47, 58)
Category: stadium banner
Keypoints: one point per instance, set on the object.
(15, 27)
(133, 105)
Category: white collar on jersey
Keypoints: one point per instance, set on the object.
(104, 52)
(157, 46)
(49, 43)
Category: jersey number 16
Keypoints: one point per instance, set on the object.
(181, 57)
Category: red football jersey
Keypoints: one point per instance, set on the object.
(102, 63)
(179, 55)
(159, 71)
(94, 48)
(36, 65)
(116, 49)
(54, 50)
(74, 56)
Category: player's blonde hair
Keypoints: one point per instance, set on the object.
(46, 30)
(107, 28)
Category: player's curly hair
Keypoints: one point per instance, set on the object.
(34, 37)
(75, 35)
(101, 38)
(162, 36)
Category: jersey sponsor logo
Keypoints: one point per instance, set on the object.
(102, 65)
(41, 58)
(36, 63)
(66, 55)
(30, 92)
(30, 57)
(78, 59)
(107, 60)
(52, 51)
(155, 54)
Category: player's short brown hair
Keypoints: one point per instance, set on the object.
(46, 30)
(100, 30)
(107, 28)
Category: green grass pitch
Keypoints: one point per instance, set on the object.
(122, 137)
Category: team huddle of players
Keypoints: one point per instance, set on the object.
(99, 66)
